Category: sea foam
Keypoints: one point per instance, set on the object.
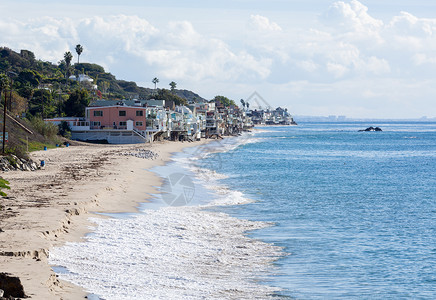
(170, 253)
(186, 252)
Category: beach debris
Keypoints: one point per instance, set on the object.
(11, 286)
(141, 153)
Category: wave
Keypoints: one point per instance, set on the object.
(171, 253)
(183, 252)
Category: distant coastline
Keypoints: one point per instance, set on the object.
(339, 119)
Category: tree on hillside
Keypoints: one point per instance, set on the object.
(42, 104)
(67, 57)
(173, 86)
(79, 50)
(76, 103)
(104, 86)
(164, 94)
(4, 82)
(224, 101)
(155, 81)
(30, 77)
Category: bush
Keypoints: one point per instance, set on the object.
(65, 130)
(17, 150)
(48, 130)
(4, 184)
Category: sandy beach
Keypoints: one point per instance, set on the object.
(51, 206)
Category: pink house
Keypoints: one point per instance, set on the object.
(117, 117)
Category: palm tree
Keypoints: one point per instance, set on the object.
(79, 50)
(173, 86)
(155, 81)
(68, 57)
(243, 103)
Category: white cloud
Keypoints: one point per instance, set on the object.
(334, 57)
(261, 23)
(410, 25)
(308, 65)
(338, 70)
(351, 16)
(177, 51)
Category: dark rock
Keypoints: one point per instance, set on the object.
(371, 129)
(13, 163)
(11, 286)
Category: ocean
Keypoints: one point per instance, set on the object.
(314, 211)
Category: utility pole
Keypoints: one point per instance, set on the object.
(5, 109)
(4, 123)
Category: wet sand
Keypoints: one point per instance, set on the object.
(51, 206)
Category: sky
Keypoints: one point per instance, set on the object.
(361, 59)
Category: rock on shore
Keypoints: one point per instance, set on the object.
(13, 163)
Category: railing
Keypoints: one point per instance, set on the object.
(140, 134)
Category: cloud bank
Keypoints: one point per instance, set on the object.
(348, 48)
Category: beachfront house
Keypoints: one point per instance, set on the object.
(114, 122)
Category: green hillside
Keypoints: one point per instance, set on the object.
(31, 73)
(36, 89)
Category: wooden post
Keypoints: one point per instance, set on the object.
(4, 124)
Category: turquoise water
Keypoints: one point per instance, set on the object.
(354, 211)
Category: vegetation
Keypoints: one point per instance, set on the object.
(76, 103)
(4, 184)
(67, 59)
(79, 50)
(224, 101)
(155, 81)
(48, 130)
(164, 94)
(173, 86)
(37, 89)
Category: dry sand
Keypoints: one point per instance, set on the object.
(48, 207)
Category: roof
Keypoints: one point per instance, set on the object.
(134, 102)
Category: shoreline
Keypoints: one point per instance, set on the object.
(51, 206)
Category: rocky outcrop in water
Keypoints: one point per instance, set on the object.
(372, 129)
(13, 163)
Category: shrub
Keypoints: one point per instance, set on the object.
(48, 130)
(4, 184)
(65, 130)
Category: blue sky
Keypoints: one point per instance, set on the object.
(363, 59)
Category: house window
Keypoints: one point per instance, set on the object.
(123, 123)
(139, 113)
(138, 124)
(96, 124)
(122, 113)
(98, 113)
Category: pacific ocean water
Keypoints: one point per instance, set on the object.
(355, 211)
(314, 211)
